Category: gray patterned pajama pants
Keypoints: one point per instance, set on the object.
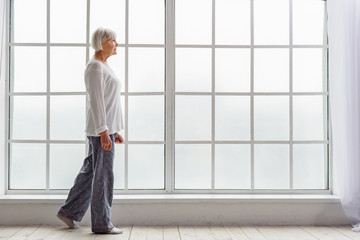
(94, 184)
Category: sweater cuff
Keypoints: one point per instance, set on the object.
(100, 129)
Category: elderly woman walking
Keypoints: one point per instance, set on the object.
(94, 183)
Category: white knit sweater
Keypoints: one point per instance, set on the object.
(103, 99)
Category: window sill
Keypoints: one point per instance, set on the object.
(181, 198)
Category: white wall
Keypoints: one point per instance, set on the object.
(187, 212)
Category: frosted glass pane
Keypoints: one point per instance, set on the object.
(308, 70)
(67, 73)
(271, 166)
(192, 118)
(116, 63)
(193, 21)
(308, 22)
(309, 166)
(146, 69)
(271, 70)
(193, 70)
(146, 118)
(122, 132)
(27, 166)
(309, 118)
(271, 117)
(147, 21)
(101, 15)
(68, 21)
(23, 18)
(67, 117)
(232, 70)
(28, 76)
(232, 118)
(119, 166)
(271, 22)
(192, 166)
(232, 22)
(65, 163)
(232, 166)
(146, 166)
(28, 117)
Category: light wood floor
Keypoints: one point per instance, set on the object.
(183, 233)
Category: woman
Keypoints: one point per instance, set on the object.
(94, 183)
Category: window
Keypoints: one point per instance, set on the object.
(220, 96)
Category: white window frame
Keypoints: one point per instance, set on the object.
(169, 94)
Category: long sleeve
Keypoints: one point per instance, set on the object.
(95, 88)
(103, 99)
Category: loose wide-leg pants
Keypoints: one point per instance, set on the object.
(94, 184)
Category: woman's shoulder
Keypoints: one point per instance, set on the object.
(94, 65)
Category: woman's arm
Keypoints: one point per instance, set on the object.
(95, 89)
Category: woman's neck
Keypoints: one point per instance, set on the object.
(100, 57)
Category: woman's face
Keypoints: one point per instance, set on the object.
(109, 46)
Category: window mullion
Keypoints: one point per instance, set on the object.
(126, 167)
(326, 121)
(87, 30)
(170, 96)
(48, 96)
(213, 99)
(252, 94)
(87, 56)
(9, 8)
(291, 136)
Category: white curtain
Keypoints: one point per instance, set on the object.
(344, 83)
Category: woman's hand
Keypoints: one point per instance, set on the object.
(119, 138)
(105, 140)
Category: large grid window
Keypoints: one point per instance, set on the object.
(220, 96)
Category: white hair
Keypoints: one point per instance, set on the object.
(100, 36)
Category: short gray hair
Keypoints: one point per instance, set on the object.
(99, 36)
